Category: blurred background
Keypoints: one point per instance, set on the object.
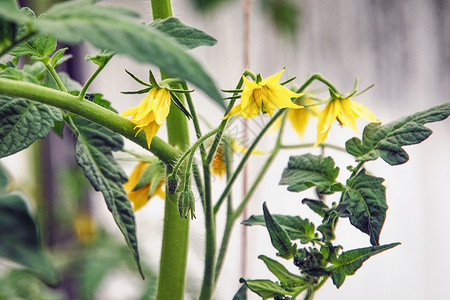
(403, 47)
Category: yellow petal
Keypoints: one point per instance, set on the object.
(326, 118)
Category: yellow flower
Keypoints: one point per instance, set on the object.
(345, 111)
(141, 196)
(300, 116)
(263, 97)
(85, 228)
(150, 114)
(218, 166)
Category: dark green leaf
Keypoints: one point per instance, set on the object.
(366, 201)
(94, 154)
(328, 225)
(19, 238)
(386, 141)
(119, 30)
(309, 170)
(99, 100)
(317, 206)
(241, 293)
(287, 279)
(185, 35)
(4, 180)
(265, 288)
(22, 122)
(296, 227)
(278, 236)
(349, 261)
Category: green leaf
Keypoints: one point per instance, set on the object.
(265, 288)
(19, 75)
(328, 226)
(19, 238)
(317, 206)
(94, 154)
(278, 235)
(386, 141)
(241, 293)
(349, 261)
(57, 56)
(309, 170)
(152, 175)
(4, 180)
(101, 58)
(366, 201)
(287, 279)
(119, 30)
(185, 35)
(296, 227)
(22, 122)
(9, 10)
(39, 48)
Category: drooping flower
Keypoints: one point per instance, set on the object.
(263, 97)
(345, 111)
(301, 115)
(142, 195)
(150, 114)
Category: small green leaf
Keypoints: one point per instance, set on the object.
(265, 288)
(328, 225)
(54, 61)
(278, 236)
(94, 154)
(22, 122)
(287, 279)
(101, 58)
(386, 141)
(9, 10)
(185, 35)
(309, 170)
(296, 227)
(349, 261)
(366, 201)
(19, 75)
(317, 206)
(152, 175)
(19, 238)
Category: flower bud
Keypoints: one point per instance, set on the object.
(186, 204)
(172, 183)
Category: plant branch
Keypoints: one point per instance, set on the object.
(90, 111)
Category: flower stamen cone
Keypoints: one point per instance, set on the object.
(263, 97)
(346, 112)
(150, 113)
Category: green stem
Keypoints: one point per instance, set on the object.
(320, 78)
(92, 78)
(244, 159)
(88, 110)
(55, 77)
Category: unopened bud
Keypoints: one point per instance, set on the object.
(172, 183)
(186, 204)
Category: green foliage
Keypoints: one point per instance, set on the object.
(152, 175)
(39, 48)
(366, 202)
(118, 30)
(296, 227)
(278, 235)
(386, 141)
(94, 148)
(309, 170)
(186, 36)
(19, 238)
(4, 180)
(265, 288)
(241, 293)
(285, 14)
(22, 122)
(349, 261)
(287, 279)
